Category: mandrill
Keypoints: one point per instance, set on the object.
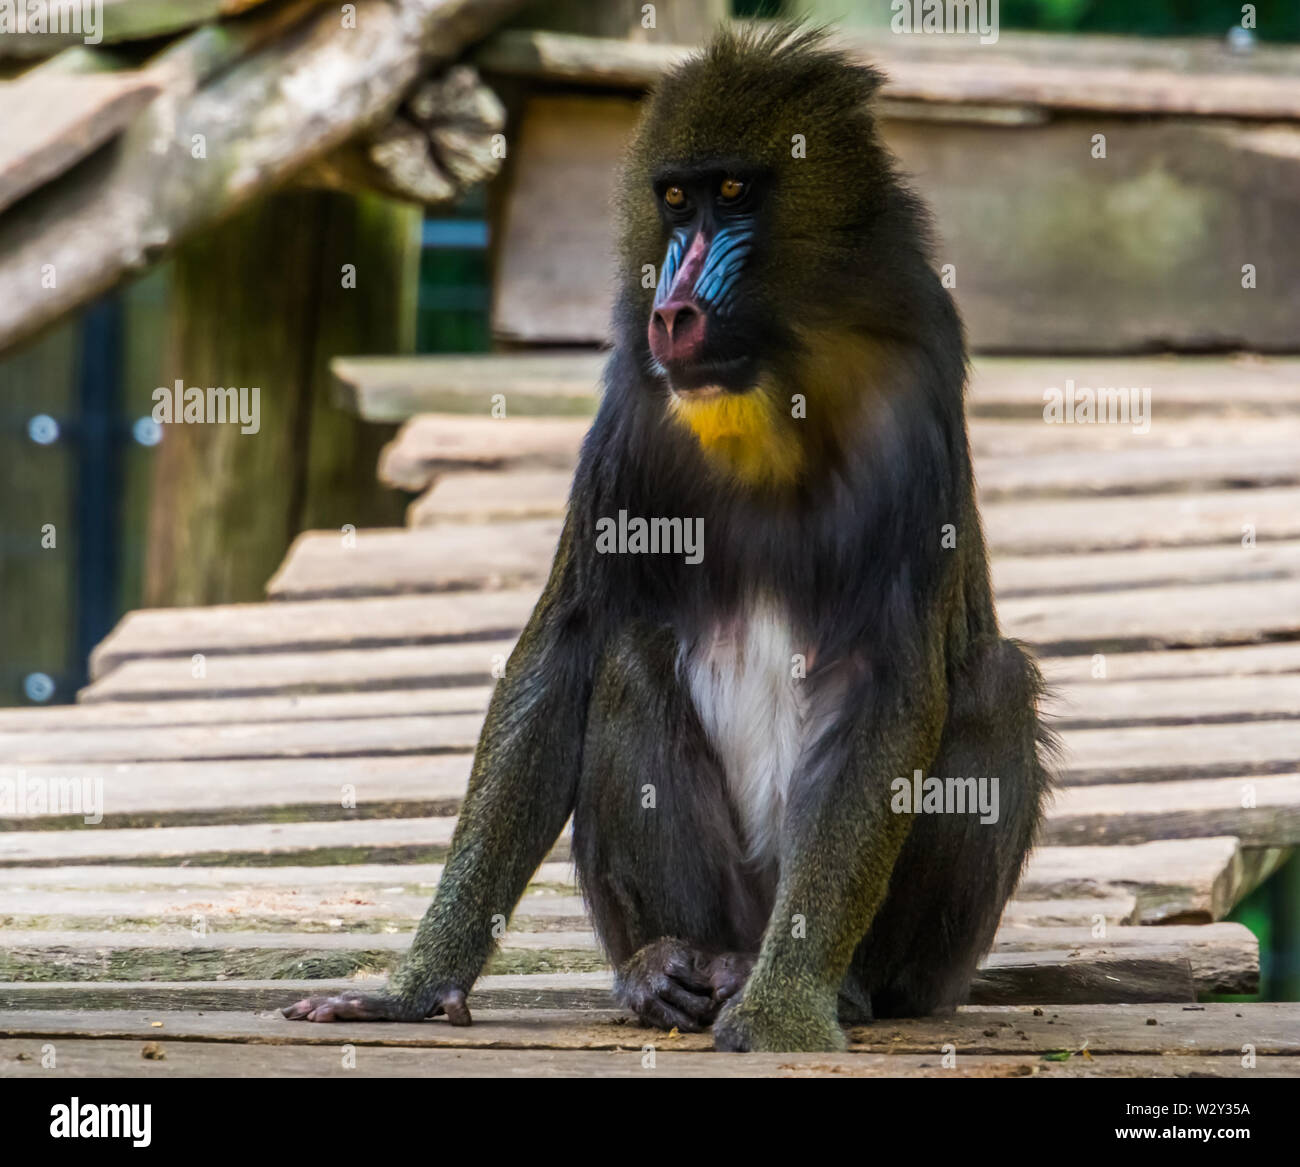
(739, 734)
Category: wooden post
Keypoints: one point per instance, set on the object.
(264, 301)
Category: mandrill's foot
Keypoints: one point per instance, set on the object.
(353, 1006)
(670, 984)
(784, 1026)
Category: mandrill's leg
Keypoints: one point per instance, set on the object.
(956, 873)
(658, 853)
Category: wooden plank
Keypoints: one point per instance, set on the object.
(418, 668)
(1137, 812)
(531, 384)
(355, 623)
(138, 794)
(1183, 663)
(1176, 701)
(158, 679)
(1180, 881)
(459, 556)
(420, 840)
(1026, 527)
(314, 907)
(369, 881)
(113, 1058)
(1130, 619)
(1154, 753)
(368, 737)
(1222, 958)
(53, 122)
(1192, 881)
(504, 555)
(1123, 754)
(433, 443)
(1209, 1029)
(1034, 69)
(1209, 396)
(1057, 623)
(341, 706)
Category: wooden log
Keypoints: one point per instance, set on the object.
(128, 206)
(438, 146)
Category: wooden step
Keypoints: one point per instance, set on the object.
(507, 554)
(564, 382)
(1223, 958)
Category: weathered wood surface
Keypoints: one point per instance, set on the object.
(292, 793)
(1118, 622)
(151, 1058)
(1114, 754)
(131, 204)
(1100, 265)
(1211, 1029)
(1095, 73)
(53, 122)
(1220, 958)
(1192, 881)
(1204, 394)
(456, 557)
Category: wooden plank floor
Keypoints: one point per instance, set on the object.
(274, 786)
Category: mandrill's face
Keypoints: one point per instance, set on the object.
(701, 325)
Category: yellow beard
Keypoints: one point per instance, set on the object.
(742, 434)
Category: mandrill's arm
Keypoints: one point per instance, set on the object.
(521, 791)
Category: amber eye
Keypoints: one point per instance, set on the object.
(731, 189)
(674, 196)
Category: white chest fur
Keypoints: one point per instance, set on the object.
(746, 684)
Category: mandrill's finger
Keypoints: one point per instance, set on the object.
(298, 1010)
(454, 1006)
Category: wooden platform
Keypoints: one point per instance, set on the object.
(280, 780)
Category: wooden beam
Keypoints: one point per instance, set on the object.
(1069, 73)
(128, 206)
(54, 121)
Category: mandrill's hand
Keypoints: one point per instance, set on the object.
(353, 1006)
(777, 1024)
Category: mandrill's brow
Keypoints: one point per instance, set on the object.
(708, 174)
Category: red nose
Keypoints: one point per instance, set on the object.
(676, 331)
